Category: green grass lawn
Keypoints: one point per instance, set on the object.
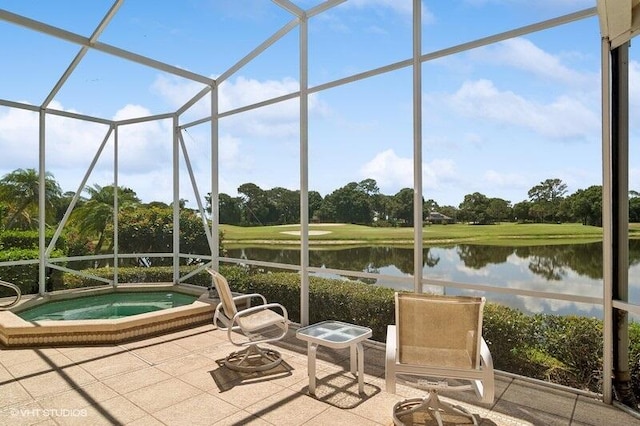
(499, 234)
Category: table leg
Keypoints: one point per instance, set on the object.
(311, 366)
(360, 352)
(353, 364)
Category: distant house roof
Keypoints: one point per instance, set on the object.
(438, 216)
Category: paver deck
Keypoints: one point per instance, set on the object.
(177, 379)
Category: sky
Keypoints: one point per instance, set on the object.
(498, 119)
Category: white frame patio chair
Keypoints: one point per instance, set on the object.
(437, 339)
(258, 324)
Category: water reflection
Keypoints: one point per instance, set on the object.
(574, 269)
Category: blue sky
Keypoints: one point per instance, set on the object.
(497, 120)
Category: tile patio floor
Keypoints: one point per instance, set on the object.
(175, 380)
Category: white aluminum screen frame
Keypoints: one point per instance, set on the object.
(610, 21)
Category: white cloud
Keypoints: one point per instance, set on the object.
(565, 117)
(389, 170)
(572, 284)
(438, 171)
(177, 91)
(472, 272)
(393, 173)
(143, 146)
(232, 93)
(246, 91)
(18, 138)
(229, 149)
(524, 54)
(504, 180)
(278, 120)
(131, 111)
(281, 119)
(146, 148)
(71, 145)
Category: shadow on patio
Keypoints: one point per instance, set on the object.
(177, 379)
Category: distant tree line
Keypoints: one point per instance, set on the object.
(362, 203)
(142, 227)
(356, 202)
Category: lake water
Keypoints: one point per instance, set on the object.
(574, 269)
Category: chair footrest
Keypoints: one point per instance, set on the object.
(432, 406)
(438, 385)
(432, 384)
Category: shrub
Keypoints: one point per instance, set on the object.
(19, 239)
(23, 245)
(577, 342)
(511, 341)
(349, 301)
(26, 276)
(15, 239)
(78, 245)
(634, 357)
(156, 274)
(150, 230)
(560, 349)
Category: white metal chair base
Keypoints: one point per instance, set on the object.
(431, 404)
(253, 359)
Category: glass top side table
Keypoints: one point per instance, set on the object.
(335, 334)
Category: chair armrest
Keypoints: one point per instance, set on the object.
(391, 342)
(390, 360)
(248, 311)
(229, 322)
(488, 384)
(485, 354)
(253, 309)
(219, 315)
(249, 296)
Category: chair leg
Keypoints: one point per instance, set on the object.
(390, 379)
(390, 360)
(432, 404)
(253, 358)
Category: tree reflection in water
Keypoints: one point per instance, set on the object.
(566, 268)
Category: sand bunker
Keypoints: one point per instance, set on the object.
(310, 232)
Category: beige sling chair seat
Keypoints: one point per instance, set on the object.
(258, 324)
(436, 339)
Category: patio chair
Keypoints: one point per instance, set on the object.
(438, 340)
(257, 324)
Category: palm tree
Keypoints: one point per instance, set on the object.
(19, 191)
(94, 215)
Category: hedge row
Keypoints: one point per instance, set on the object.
(349, 301)
(23, 245)
(560, 349)
(27, 276)
(28, 239)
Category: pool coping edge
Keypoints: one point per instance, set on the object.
(16, 332)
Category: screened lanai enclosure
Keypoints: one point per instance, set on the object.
(182, 102)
